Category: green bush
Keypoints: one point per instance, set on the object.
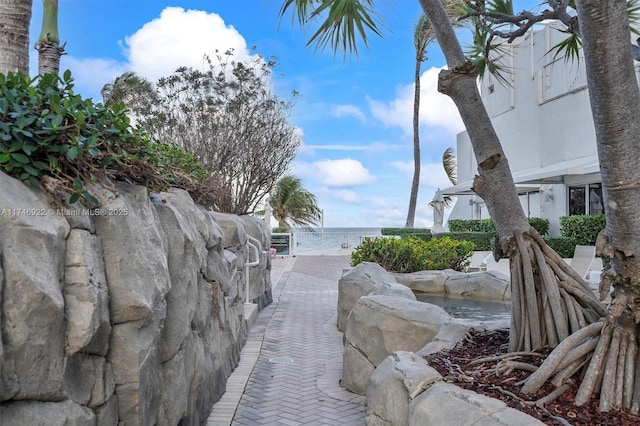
(413, 254)
(564, 246)
(539, 224)
(404, 231)
(483, 241)
(486, 225)
(471, 225)
(48, 130)
(583, 228)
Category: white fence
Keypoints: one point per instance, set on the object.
(336, 243)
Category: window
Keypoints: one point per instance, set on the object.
(586, 198)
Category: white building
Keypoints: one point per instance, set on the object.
(544, 122)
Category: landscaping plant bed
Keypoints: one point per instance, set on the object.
(488, 378)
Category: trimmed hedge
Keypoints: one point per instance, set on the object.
(404, 231)
(564, 246)
(583, 228)
(486, 225)
(413, 254)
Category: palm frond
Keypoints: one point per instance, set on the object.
(633, 10)
(500, 6)
(300, 9)
(569, 48)
(450, 165)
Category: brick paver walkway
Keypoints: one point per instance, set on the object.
(295, 378)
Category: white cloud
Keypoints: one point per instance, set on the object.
(335, 173)
(340, 194)
(348, 110)
(436, 109)
(180, 38)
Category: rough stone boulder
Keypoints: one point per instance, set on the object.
(362, 280)
(400, 378)
(486, 285)
(394, 289)
(381, 325)
(32, 247)
(447, 404)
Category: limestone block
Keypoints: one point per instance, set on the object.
(447, 404)
(175, 402)
(107, 413)
(208, 231)
(207, 305)
(479, 285)
(203, 383)
(448, 336)
(400, 378)
(137, 373)
(381, 325)
(36, 413)
(424, 281)
(186, 258)
(135, 254)
(363, 279)
(86, 295)
(356, 370)
(88, 379)
(235, 236)
(32, 245)
(395, 289)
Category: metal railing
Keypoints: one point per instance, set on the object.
(328, 242)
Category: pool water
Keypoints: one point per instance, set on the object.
(469, 309)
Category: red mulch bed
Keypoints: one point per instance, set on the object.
(485, 381)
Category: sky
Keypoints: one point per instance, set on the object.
(354, 113)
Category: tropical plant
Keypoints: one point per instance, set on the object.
(226, 115)
(551, 305)
(15, 17)
(48, 44)
(51, 135)
(450, 165)
(292, 204)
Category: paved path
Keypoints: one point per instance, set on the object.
(292, 362)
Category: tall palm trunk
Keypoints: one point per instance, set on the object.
(415, 183)
(15, 16)
(48, 44)
(549, 301)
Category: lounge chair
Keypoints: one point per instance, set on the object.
(582, 259)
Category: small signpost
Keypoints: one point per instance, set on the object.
(282, 244)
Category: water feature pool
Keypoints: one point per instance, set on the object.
(471, 310)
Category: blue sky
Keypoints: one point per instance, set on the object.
(354, 114)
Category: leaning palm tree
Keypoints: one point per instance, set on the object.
(293, 204)
(422, 36)
(547, 294)
(15, 17)
(450, 165)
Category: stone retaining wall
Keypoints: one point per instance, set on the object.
(132, 314)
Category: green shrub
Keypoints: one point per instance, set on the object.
(564, 246)
(583, 228)
(482, 240)
(48, 130)
(471, 225)
(421, 236)
(539, 224)
(413, 254)
(404, 231)
(486, 225)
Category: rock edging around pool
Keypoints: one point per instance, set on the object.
(388, 365)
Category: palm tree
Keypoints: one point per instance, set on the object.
(544, 290)
(422, 35)
(15, 17)
(450, 165)
(292, 204)
(48, 44)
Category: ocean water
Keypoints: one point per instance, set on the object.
(335, 240)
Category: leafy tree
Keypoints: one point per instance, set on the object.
(292, 204)
(15, 16)
(226, 115)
